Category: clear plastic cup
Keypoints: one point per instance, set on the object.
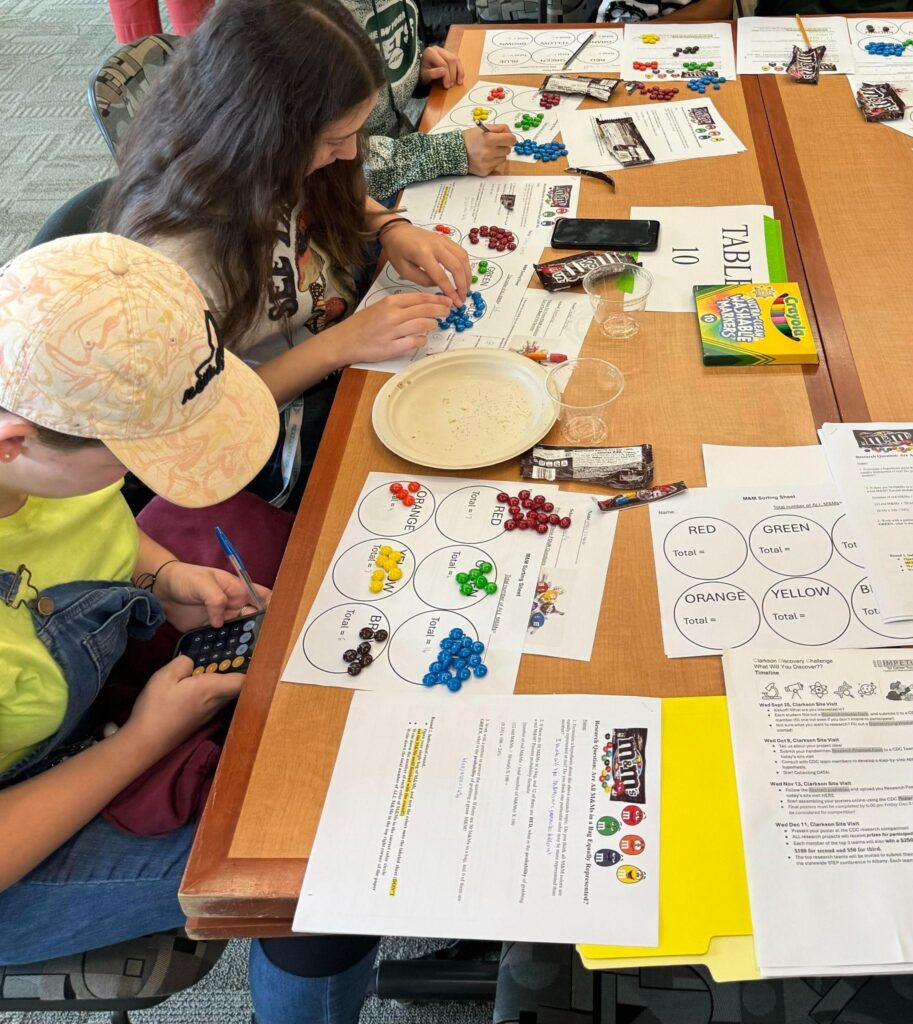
(584, 392)
(618, 295)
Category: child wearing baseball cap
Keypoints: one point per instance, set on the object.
(109, 361)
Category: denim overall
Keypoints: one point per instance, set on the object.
(84, 626)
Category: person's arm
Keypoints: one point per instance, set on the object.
(702, 10)
(39, 815)
(392, 164)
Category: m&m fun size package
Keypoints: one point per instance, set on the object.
(753, 325)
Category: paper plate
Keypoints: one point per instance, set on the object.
(465, 409)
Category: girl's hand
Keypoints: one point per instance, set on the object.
(174, 704)
(428, 258)
(485, 151)
(391, 327)
(194, 595)
(442, 66)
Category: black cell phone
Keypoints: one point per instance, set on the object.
(595, 233)
(226, 649)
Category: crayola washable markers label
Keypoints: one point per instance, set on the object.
(753, 325)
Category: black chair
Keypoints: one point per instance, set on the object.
(133, 975)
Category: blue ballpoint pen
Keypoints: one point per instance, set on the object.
(235, 559)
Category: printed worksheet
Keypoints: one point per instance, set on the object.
(763, 568)
(494, 103)
(700, 245)
(672, 131)
(678, 44)
(520, 52)
(867, 33)
(514, 317)
(565, 612)
(872, 466)
(823, 747)
(534, 819)
(765, 45)
(443, 527)
(902, 86)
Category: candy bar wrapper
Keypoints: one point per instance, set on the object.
(880, 102)
(631, 499)
(567, 271)
(629, 765)
(608, 467)
(585, 85)
(805, 65)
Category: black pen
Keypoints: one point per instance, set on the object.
(579, 50)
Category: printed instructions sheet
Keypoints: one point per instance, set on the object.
(765, 45)
(568, 599)
(823, 747)
(453, 526)
(713, 44)
(535, 819)
(763, 568)
(519, 52)
(872, 465)
(672, 131)
(517, 101)
(702, 245)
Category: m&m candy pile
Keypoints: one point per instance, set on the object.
(531, 512)
(549, 100)
(460, 318)
(460, 658)
(700, 84)
(496, 94)
(545, 152)
(476, 581)
(498, 238)
(387, 563)
(361, 657)
(406, 494)
(527, 122)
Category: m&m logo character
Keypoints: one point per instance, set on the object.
(629, 874)
(632, 815)
(632, 845)
(607, 826)
(606, 858)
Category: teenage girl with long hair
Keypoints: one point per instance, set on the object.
(244, 165)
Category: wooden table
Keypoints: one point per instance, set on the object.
(251, 850)
(849, 185)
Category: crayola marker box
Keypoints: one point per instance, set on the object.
(753, 325)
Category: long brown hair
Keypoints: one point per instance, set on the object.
(223, 142)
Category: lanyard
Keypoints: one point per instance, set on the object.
(292, 415)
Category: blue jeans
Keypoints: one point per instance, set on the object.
(104, 886)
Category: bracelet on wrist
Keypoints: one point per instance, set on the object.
(146, 580)
(389, 224)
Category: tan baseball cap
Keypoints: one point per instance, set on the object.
(102, 337)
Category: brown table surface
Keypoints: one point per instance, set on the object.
(849, 184)
(251, 849)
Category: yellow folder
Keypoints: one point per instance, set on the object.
(704, 914)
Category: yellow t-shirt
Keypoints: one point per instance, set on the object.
(60, 540)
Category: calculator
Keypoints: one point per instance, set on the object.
(226, 649)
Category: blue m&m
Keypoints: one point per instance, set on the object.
(459, 659)
(546, 152)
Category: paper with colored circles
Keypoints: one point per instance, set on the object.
(524, 51)
(521, 818)
(763, 568)
(517, 107)
(444, 528)
(674, 48)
